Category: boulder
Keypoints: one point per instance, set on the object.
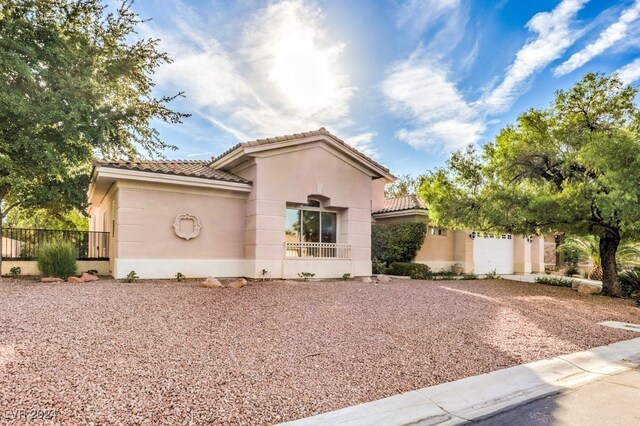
(86, 277)
(585, 288)
(74, 280)
(211, 282)
(51, 280)
(238, 283)
(366, 280)
(383, 279)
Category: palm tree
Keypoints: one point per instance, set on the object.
(588, 248)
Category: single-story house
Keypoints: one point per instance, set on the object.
(274, 208)
(475, 252)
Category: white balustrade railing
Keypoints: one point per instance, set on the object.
(318, 250)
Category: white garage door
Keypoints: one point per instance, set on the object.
(493, 253)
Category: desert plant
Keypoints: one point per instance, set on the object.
(630, 282)
(15, 272)
(346, 276)
(396, 242)
(469, 276)
(57, 258)
(131, 277)
(306, 275)
(180, 277)
(572, 269)
(491, 275)
(445, 273)
(555, 281)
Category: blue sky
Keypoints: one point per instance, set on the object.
(406, 82)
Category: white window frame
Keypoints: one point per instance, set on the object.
(321, 209)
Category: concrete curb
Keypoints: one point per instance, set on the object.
(478, 396)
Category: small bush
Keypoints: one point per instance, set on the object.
(15, 272)
(346, 276)
(630, 282)
(491, 275)
(469, 276)
(379, 267)
(131, 277)
(57, 258)
(306, 275)
(555, 281)
(445, 273)
(396, 242)
(416, 271)
(180, 277)
(572, 269)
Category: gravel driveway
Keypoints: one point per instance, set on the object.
(174, 353)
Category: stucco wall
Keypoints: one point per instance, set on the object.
(291, 176)
(30, 267)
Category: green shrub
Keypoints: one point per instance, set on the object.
(131, 277)
(555, 281)
(469, 276)
(417, 271)
(57, 258)
(180, 277)
(378, 267)
(396, 242)
(572, 269)
(346, 276)
(491, 275)
(306, 275)
(445, 273)
(15, 272)
(630, 282)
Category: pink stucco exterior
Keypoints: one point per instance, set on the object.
(242, 224)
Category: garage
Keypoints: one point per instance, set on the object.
(493, 252)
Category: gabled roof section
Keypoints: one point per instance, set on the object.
(403, 203)
(191, 168)
(243, 147)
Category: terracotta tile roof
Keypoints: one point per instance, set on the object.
(193, 168)
(406, 202)
(320, 131)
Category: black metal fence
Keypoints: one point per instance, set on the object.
(22, 243)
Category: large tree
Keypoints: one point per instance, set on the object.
(573, 167)
(75, 83)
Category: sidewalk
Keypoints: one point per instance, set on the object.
(478, 397)
(530, 278)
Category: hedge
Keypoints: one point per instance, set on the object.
(396, 242)
(416, 271)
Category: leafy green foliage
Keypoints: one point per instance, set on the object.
(572, 269)
(469, 276)
(396, 242)
(131, 277)
(555, 281)
(417, 271)
(15, 272)
(57, 258)
(573, 167)
(346, 276)
(630, 282)
(404, 185)
(491, 275)
(180, 277)
(306, 275)
(76, 83)
(46, 219)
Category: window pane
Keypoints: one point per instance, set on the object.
(328, 227)
(310, 226)
(292, 233)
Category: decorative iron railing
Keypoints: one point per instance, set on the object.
(23, 243)
(318, 250)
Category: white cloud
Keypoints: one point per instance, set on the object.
(418, 15)
(439, 117)
(554, 36)
(363, 142)
(280, 73)
(630, 72)
(607, 38)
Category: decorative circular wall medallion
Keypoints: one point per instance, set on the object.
(187, 226)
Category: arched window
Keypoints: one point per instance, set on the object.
(310, 223)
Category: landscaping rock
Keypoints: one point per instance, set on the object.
(238, 283)
(366, 280)
(383, 279)
(75, 280)
(51, 280)
(86, 277)
(211, 282)
(575, 285)
(584, 288)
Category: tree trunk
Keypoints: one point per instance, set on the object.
(609, 242)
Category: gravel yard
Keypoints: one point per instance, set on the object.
(172, 353)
